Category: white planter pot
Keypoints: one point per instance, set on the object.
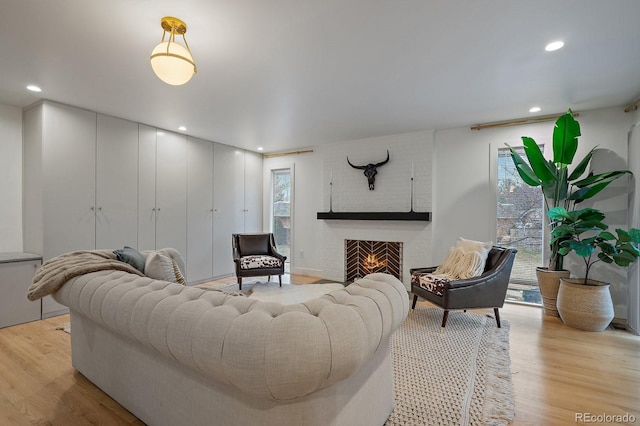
(585, 306)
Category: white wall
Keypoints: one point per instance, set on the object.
(322, 241)
(455, 178)
(10, 178)
(392, 193)
(465, 181)
(306, 250)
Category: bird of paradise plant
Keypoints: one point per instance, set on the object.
(561, 187)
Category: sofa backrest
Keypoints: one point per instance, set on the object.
(269, 350)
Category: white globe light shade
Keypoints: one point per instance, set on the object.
(174, 67)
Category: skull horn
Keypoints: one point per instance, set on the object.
(385, 161)
(370, 170)
(356, 167)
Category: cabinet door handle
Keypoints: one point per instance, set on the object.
(92, 208)
(100, 208)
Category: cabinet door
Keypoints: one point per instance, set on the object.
(116, 183)
(199, 209)
(68, 179)
(238, 191)
(252, 192)
(171, 192)
(224, 201)
(146, 187)
(15, 278)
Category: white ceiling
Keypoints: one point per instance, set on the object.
(287, 74)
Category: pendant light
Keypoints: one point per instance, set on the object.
(172, 62)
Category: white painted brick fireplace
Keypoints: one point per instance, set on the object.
(409, 153)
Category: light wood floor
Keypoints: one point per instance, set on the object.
(557, 372)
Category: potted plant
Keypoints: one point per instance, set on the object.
(561, 188)
(585, 303)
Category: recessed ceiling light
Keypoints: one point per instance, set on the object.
(182, 128)
(535, 109)
(34, 88)
(260, 148)
(554, 45)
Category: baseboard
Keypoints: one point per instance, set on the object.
(632, 330)
(307, 271)
(57, 313)
(622, 324)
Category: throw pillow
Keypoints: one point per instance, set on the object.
(161, 267)
(471, 245)
(131, 256)
(466, 260)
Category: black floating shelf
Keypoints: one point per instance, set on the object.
(416, 216)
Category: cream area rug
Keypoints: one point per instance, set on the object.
(290, 294)
(459, 377)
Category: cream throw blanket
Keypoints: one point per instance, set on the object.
(56, 271)
(461, 264)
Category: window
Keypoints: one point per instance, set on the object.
(281, 207)
(521, 226)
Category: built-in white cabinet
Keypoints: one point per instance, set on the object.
(59, 213)
(171, 192)
(240, 208)
(146, 187)
(16, 274)
(96, 181)
(80, 180)
(116, 205)
(199, 209)
(226, 208)
(64, 143)
(162, 190)
(252, 192)
(237, 198)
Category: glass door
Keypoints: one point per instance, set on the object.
(521, 226)
(282, 208)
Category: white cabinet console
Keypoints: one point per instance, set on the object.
(16, 274)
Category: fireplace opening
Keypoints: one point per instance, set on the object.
(367, 257)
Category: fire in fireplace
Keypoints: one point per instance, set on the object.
(366, 257)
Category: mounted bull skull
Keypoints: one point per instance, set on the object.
(370, 170)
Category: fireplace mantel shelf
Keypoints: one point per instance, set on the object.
(414, 216)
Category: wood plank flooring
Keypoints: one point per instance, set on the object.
(557, 372)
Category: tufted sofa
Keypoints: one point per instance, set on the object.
(173, 355)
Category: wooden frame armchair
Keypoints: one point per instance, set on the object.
(255, 255)
(486, 291)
